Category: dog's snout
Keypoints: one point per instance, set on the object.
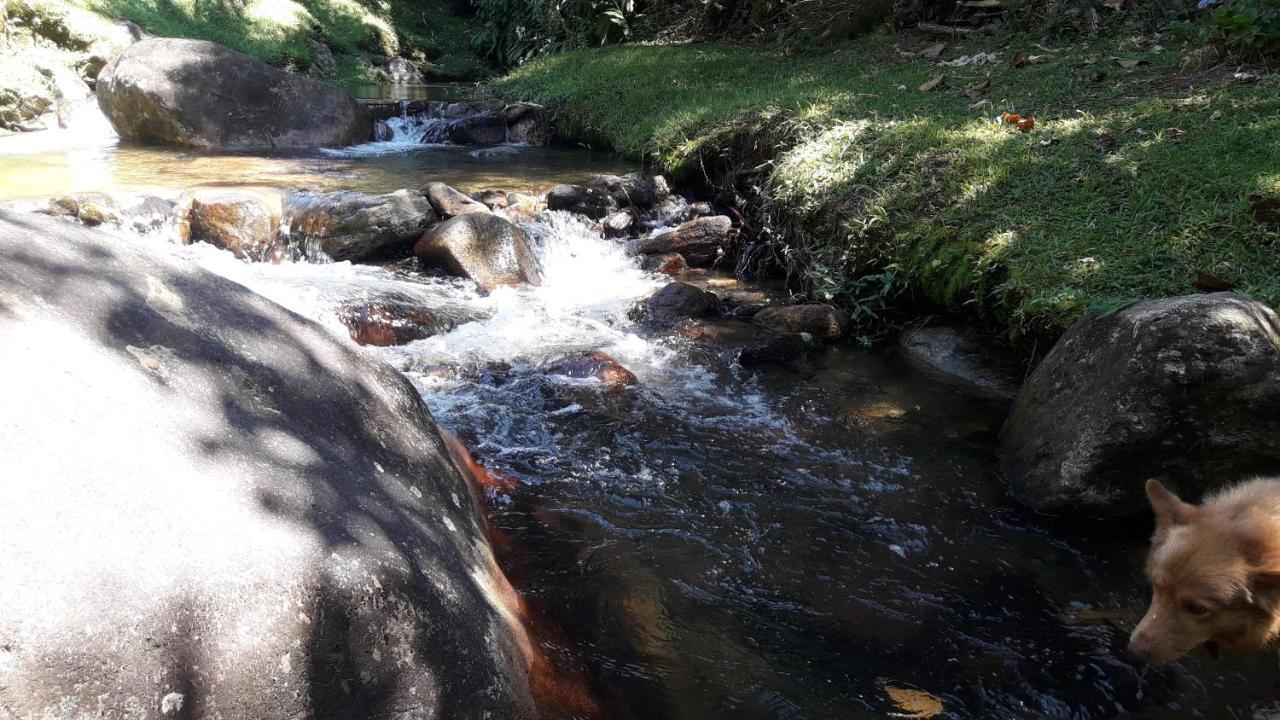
(1140, 645)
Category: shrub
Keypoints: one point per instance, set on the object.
(1246, 28)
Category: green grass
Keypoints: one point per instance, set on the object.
(280, 31)
(1133, 183)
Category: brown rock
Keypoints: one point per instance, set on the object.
(384, 325)
(674, 301)
(701, 241)
(245, 222)
(483, 247)
(354, 225)
(449, 202)
(816, 319)
(596, 365)
(669, 264)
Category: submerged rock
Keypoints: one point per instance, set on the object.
(200, 94)
(354, 225)
(385, 324)
(449, 202)
(674, 301)
(245, 222)
(259, 520)
(1186, 388)
(668, 264)
(591, 202)
(816, 319)
(701, 241)
(956, 358)
(618, 224)
(594, 365)
(482, 129)
(747, 343)
(485, 248)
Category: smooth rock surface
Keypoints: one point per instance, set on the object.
(591, 202)
(212, 507)
(245, 222)
(485, 248)
(353, 225)
(1186, 388)
(674, 301)
(195, 93)
(449, 202)
(816, 319)
(701, 241)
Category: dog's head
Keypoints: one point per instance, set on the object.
(1215, 576)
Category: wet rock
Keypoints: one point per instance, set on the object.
(482, 129)
(1186, 388)
(618, 224)
(492, 199)
(747, 343)
(532, 129)
(382, 131)
(354, 225)
(522, 207)
(32, 85)
(200, 94)
(816, 319)
(961, 360)
(669, 264)
(456, 110)
(386, 324)
(449, 202)
(258, 517)
(401, 71)
(485, 248)
(631, 190)
(91, 209)
(594, 365)
(701, 241)
(517, 111)
(581, 200)
(139, 214)
(674, 301)
(245, 222)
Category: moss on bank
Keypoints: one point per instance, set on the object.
(1136, 181)
(281, 32)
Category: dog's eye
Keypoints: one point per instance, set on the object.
(1194, 608)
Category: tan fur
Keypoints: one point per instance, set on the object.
(1215, 573)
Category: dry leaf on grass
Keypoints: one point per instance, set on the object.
(914, 703)
(1128, 63)
(938, 82)
(1021, 60)
(975, 59)
(978, 89)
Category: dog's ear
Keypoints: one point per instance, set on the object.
(1170, 510)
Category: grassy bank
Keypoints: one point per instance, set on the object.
(1136, 180)
(282, 32)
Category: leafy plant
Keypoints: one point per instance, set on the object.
(1248, 28)
(512, 31)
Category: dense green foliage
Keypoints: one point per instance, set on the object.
(1135, 181)
(283, 32)
(1247, 28)
(511, 31)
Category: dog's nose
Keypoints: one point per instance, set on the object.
(1139, 647)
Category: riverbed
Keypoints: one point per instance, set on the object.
(818, 539)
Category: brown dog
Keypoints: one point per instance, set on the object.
(1215, 573)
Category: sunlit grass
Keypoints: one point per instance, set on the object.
(1132, 184)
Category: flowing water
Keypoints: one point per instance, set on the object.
(718, 541)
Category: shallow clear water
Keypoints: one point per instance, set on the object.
(772, 543)
(87, 157)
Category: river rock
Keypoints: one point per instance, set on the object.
(245, 222)
(258, 520)
(486, 248)
(816, 319)
(632, 190)
(961, 360)
(387, 324)
(200, 94)
(456, 110)
(747, 343)
(701, 241)
(668, 264)
(493, 199)
(618, 224)
(594, 365)
(674, 301)
(354, 225)
(1186, 388)
(449, 202)
(591, 202)
(482, 129)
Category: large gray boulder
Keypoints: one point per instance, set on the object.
(1186, 388)
(352, 225)
(200, 94)
(212, 507)
(489, 250)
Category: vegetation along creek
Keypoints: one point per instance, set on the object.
(673, 371)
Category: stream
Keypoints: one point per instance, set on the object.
(799, 541)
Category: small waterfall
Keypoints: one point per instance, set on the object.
(415, 129)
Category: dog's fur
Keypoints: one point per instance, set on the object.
(1215, 573)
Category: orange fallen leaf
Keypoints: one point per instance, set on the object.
(914, 703)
